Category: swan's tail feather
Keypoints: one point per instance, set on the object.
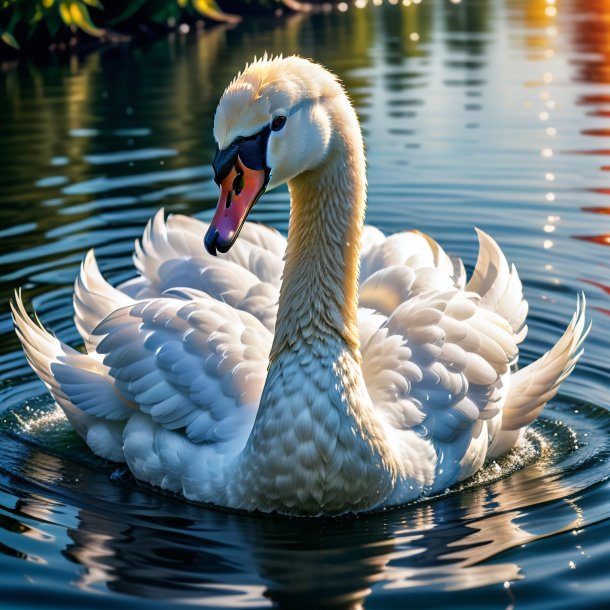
(499, 285)
(532, 387)
(79, 384)
(94, 299)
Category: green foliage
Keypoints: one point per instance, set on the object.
(9, 39)
(37, 23)
(24, 19)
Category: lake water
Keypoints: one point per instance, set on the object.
(486, 113)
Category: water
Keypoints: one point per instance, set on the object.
(486, 113)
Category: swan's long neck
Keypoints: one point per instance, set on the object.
(317, 445)
(319, 292)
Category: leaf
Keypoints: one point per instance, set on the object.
(80, 18)
(38, 15)
(209, 8)
(64, 13)
(10, 40)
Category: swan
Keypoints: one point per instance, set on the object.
(337, 371)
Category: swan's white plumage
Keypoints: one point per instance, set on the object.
(77, 382)
(178, 383)
(198, 365)
(499, 285)
(435, 359)
(247, 277)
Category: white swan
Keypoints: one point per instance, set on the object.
(345, 397)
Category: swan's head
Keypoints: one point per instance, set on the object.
(272, 123)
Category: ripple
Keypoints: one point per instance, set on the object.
(52, 181)
(122, 530)
(103, 185)
(142, 154)
(83, 133)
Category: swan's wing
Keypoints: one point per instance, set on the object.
(94, 299)
(533, 386)
(436, 358)
(499, 285)
(198, 365)
(433, 355)
(171, 255)
(436, 366)
(436, 361)
(412, 249)
(79, 384)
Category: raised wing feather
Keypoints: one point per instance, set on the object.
(436, 358)
(171, 255)
(499, 285)
(409, 248)
(79, 384)
(533, 386)
(94, 299)
(437, 361)
(198, 365)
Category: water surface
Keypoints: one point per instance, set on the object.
(480, 113)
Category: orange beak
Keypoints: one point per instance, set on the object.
(239, 191)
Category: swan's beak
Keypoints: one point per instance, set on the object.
(239, 191)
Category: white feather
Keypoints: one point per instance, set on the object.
(435, 360)
(177, 379)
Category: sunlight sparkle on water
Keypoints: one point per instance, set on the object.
(42, 421)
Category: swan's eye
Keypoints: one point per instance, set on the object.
(278, 122)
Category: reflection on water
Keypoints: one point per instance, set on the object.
(131, 540)
(480, 112)
(592, 44)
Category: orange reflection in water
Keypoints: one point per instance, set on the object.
(603, 287)
(603, 240)
(592, 36)
(598, 210)
(591, 33)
